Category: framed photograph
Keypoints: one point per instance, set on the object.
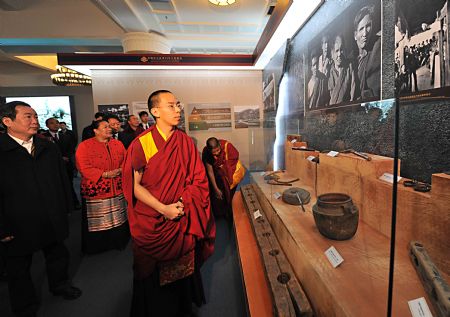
(270, 103)
(343, 62)
(421, 48)
(120, 110)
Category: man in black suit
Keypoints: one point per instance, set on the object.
(34, 202)
(63, 130)
(114, 124)
(145, 124)
(66, 145)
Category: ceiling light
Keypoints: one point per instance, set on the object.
(67, 77)
(222, 2)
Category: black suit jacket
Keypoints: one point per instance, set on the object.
(35, 196)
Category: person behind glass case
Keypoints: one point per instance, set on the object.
(169, 213)
(35, 199)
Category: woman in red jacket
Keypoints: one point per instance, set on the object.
(104, 216)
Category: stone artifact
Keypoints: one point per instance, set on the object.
(433, 282)
(294, 195)
(336, 216)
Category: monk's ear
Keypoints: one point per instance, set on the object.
(155, 112)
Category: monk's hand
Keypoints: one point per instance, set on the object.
(174, 211)
(219, 194)
(7, 239)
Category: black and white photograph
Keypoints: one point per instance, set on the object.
(421, 46)
(246, 117)
(343, 63)
(120, 110)
(269, 94)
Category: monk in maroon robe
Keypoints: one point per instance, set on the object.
(169, 214)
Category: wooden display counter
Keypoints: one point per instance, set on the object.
(359, 286)
(259, 301)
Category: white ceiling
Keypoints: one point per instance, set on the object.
(190, 26)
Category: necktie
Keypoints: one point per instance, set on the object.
(33, 150)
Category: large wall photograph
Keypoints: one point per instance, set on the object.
(343, 61)
(421, 47)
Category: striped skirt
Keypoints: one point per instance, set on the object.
(107, 213)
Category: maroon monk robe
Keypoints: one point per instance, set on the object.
(174, 171)
(225, 168)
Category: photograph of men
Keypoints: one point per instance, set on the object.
(350, 59)
(317, 86)
(342, 83)
(421, 46)
(369, 57)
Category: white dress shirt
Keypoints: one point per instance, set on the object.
(28, 145)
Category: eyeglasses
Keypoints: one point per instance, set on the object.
(179, 105)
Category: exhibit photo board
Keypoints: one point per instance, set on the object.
(209, 116)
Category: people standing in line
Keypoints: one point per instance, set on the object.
(171, 223)
(132, 130)
(34, 202)
(65, 143)
(145, 124)
(224, 171)
(104, 217)
(88, 132)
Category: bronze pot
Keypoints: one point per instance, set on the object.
(336, 216)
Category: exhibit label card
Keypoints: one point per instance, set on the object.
(293, 140)
(276, 195)
(257, 214)
(334, 257)
(388, 177)
(419, 308)
(333, 153)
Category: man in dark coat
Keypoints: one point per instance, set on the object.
(66, 145)
(114, 124)
(34, 201)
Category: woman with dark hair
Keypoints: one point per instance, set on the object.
(104, 217)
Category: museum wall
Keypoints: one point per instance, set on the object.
(233, 88)
(346, 112)
(82, 99)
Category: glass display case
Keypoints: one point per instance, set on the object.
(354, 180)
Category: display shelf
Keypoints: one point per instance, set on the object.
(359, 286)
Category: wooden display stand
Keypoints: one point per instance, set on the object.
(359, 286)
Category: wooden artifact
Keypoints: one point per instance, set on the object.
(434, 284)
(288, 296)
(336, 216)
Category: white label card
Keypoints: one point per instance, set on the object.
(334, 257)
(311, 158)
(419, 308)
(263, 173)
(257, 214)
(333, 153)
(293, 140)
(276, 195)
(389, 178)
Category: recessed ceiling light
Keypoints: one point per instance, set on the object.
(222, 2)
